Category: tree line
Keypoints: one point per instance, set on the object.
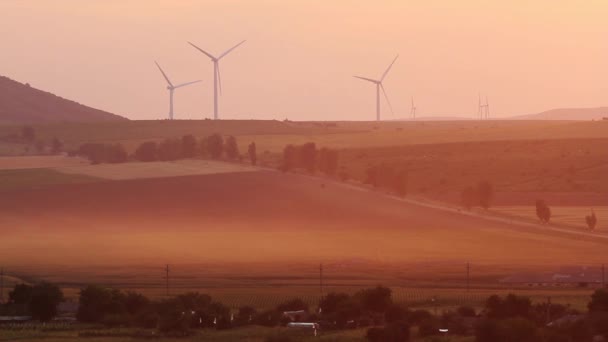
(309, 158)
(214, 146)
(502, 319)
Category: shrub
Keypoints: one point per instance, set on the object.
(170, 149)
(188, 146)
(147, 152)
(591, 220)
(214, 145)
(252, 152)
(543, 212)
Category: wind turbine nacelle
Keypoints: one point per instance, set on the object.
(169, 87)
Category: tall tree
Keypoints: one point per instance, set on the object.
(253, 154)
(231, 148)
(44, 301)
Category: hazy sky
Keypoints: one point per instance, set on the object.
(300, 55)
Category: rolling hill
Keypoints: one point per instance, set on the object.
(20, 103)
(568, 114)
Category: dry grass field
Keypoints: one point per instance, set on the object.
(155, 169)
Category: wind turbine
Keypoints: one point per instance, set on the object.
(379, 86)
(216, 74)
(413, 110)
(172, 88)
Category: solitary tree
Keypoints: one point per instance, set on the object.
(591, 220)
(44, 301)
(543, 211)
(253, 154)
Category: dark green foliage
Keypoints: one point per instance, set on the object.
(394, 332)
(245, 315)
(591, 220)
(44, 300)
(599, 301)
(428, 327)
(302, 156)
(169, 150)
(214, 146)
(328, 161)
(511, 306)
(103, 153)
(21, 294)
(419, 316)
(396, 313)
(253, 154)
(516, 329)
(96, 302)
(231, 148)
(269, 318)
(466, 311)
(188, 146)
(376, 299)
(147, 151)
(543, 212)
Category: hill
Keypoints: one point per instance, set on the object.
(20, 103)
(568, 114)
(255, 216)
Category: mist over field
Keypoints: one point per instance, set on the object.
(291, 171)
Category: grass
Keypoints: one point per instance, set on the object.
(28, 179)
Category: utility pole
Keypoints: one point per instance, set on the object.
(468, 275)
(548, 310)
(1, 285)
(321, 280)
(167, 278)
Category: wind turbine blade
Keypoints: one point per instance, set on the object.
(366, 79)
(386, 97)
(229, 50)
(219, 77)
(186, 84)
(164, 75)
(203, 51)
(388, 69)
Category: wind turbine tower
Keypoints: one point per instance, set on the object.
(483, 110)
(413, 110)
(172, 88)
(217, 78)
(380, 86)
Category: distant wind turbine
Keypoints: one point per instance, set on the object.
(413, 110)
(217, 79)
(379, 86)
(172, 88)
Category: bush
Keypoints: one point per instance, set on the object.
(147, 152)
(428, 327)
(169, 150)
(376, 299)
(599, 301)
(253, 154)
(188, 146)
(214, 146)
(591, 220)
(543, 212)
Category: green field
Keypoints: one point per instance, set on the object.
(28, 179)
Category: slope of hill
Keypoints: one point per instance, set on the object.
(568, 114)
(20, 103)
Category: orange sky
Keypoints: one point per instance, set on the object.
(298, 63)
